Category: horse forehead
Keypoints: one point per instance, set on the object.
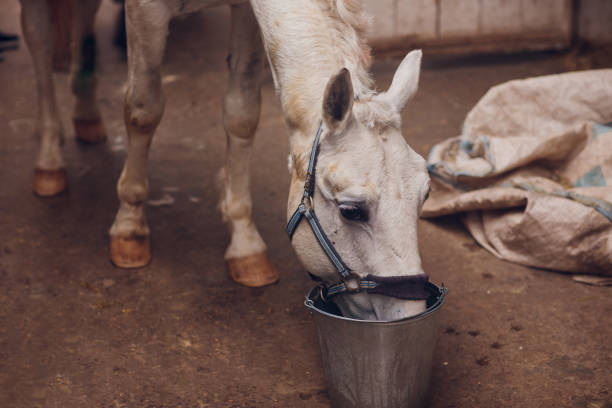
(363, 160)
(405, 170)
(378, 161)
(400, 157)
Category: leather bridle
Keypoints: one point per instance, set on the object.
(410, 287)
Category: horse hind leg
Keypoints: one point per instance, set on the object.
(246, 256)
(147, 27)
(88, 126)
(49, 173)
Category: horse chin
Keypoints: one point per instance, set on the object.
(363, 306)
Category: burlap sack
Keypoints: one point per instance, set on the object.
(532, 172)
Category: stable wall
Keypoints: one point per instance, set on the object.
(469, 26)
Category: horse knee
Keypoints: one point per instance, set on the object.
(241, 114)
(243, 99)
(143, 112)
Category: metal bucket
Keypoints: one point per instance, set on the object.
(377, 364)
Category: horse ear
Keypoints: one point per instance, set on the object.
(405, 81)
(338, 100)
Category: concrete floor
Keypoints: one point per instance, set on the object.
(76, 332)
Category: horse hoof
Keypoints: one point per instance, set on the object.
(89, 131)
(132, 252)
(253, 271)
(48, 183)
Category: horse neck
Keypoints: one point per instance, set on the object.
(308, 42)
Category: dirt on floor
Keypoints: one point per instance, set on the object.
(77, 332)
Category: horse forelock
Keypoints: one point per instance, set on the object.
(377, 115)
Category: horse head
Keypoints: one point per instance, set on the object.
(369, 190)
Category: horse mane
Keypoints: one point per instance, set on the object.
(351, 27)
(333, 36)
(352, 13)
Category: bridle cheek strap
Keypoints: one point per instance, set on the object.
(328, 247)
(410, 287)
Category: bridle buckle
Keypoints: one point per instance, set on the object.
(351, 283)
(308, 202)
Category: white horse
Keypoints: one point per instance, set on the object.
(370, 184)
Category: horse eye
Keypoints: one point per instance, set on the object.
(353, 212)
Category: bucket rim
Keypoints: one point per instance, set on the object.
(439, 291)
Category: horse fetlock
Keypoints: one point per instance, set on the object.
(245, 240)
(130, 222)
(234, 210)
(50, 152)
(89, 130)
(130, 192)
(85, 106)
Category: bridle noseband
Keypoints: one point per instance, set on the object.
(410, 287)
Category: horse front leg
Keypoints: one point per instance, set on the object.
(147, 27)
(88, 126)
(246, 257)
(50, 172)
